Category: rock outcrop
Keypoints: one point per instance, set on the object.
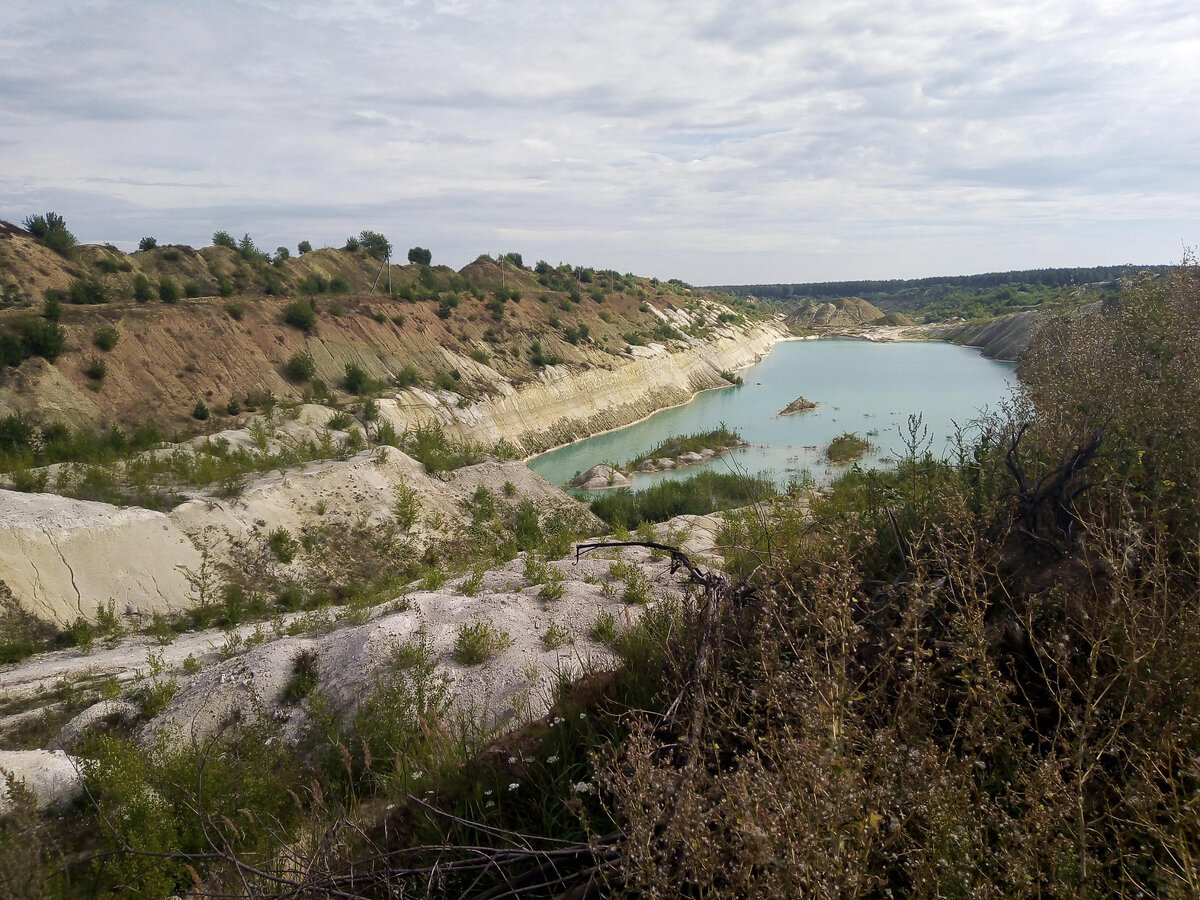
(844, 312)
(566, 403)
(799, 405)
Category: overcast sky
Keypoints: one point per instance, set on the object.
(718, 142)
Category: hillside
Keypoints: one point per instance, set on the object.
(142, 338)
(841, 312)
(967, 296)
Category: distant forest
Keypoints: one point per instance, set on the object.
(969, 296)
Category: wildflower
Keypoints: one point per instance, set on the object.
(552, 759)
(582, 787)
(513, 786)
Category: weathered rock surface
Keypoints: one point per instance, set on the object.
(840, 313)
(565, 403)
(51, 775)
(601, 477)
(64, 558)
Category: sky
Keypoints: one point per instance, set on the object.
(717, 142)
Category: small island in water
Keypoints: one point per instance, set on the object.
(676, 452)
(799, 405)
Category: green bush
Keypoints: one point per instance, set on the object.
(235, 310)
(96, 369)
(172, 254)
(479, 642)
(224, 239)
(191, 290)
(105, 337)
(200, 411)
(300, 367)
(303, 247)
(300, 314)
(168, 290)
(52, 229)
(420, 256)
(143, 290)
(846, 448)
(283, 545)
(88, 291)
(147, 243)
(357, 380)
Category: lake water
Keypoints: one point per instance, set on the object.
(861, 387)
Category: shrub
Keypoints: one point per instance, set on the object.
(478, 642)
(357, 380)
(351, 245)
(282, 254)
(248, 250)
(420, 255)
(339, 285)
(88, 291)
(225, 287)
(283, 545)
(168, 290)
(235, 310)
(313, 284)
(52, 229)
(300, 367)
(200, 410)
(300, 314)
(106, 337)
(143, 290)
(172, 254)
(96, 369)
(303, 247)
(224, 239)
(305, 676)
(191, 290)
(147, 243)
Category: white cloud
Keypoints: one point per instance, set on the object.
(714, 141)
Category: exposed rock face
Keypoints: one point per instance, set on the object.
(64, 558)
(799, 405)
(51, 775)
(1007, 337)
(349, 659)
(565, 403)
(844, 312)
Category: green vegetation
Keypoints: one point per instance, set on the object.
(700, 494)
(420, 256)
(300, 314)
(478, 642)
(970, 296)
(105, 337)
(300, 367)
(147, 243)
(52, 229)
(720, 438)
(224, 239)
(846, 448)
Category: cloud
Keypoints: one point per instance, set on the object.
(713, 141)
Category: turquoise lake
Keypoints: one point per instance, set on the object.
(862, 387)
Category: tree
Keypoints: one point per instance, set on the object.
(420, 256)
(52, 229)
(375, 244)
(303, 247)
(282, 253)
(224, 239)
(248, 249)
(515, 259)
(147, 243)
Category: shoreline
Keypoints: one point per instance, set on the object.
(720, 387)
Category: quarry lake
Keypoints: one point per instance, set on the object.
(866, 388)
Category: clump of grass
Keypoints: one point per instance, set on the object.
(604, 629)
(557, 636)
(703, 493)
(480, 641)
(305, 676)
(283, 545)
